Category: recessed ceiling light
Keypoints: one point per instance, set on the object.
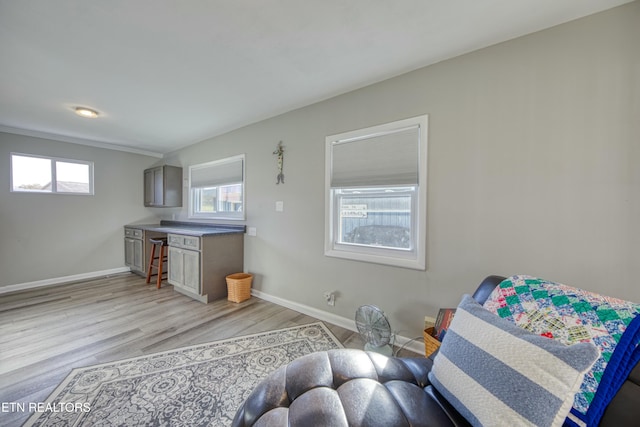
(86, 112)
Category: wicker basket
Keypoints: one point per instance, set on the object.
(239, 287)
(431, 344)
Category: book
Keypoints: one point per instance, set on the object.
(443, 320)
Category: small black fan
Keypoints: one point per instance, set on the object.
(374, 328)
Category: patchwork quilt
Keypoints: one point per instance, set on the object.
(573, 315)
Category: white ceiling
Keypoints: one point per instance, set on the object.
(165, 74)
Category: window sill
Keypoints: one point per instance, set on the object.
(411, 263)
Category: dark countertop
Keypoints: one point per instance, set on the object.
(190, 228)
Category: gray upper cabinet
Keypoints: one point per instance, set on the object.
(163, 187)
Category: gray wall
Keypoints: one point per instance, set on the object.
(48, 236)
(533, 154)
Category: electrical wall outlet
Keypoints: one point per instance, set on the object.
(429, 322)
(330, 297)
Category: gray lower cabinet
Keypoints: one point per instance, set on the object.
(134, 249)
(137, 249)
(184, 269)
(198, 266)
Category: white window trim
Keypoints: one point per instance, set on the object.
(54, 189)
(219, 215)
(387, 257)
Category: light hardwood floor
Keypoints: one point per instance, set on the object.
(47, 332)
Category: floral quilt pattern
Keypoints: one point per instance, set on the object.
(567, 314)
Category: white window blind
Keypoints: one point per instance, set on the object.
(389, 159)
(217, 173)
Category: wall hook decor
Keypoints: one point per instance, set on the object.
(280, 153)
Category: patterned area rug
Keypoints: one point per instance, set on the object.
(197, 385)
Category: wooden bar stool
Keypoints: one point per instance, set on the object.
(161, 245)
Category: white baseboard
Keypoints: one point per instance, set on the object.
(61, 280)
(350, 324)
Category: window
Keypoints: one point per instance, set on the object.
(38, 174)
(216, 189)
(375, 207)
